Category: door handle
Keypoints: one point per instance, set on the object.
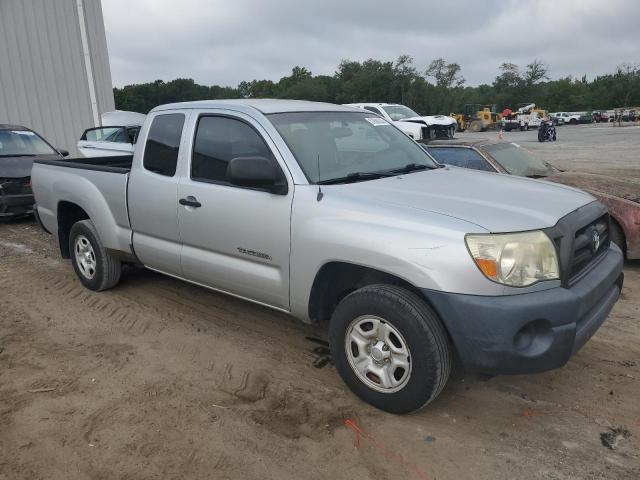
(190, 202)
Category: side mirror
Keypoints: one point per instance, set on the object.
(257, 172)
(63, 152)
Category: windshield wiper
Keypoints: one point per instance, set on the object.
(412, 167)
(356, 177)
(19, 155)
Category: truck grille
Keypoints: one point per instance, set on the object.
(590, 241)
(15, 186)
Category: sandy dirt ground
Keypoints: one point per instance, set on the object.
(158, 379)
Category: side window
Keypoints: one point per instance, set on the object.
(218, 141)
(101, 134)
(476, 162)
(461, 157)
(119, 136)
(163, 141)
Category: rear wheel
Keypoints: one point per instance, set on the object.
(94, 265)
(390, 348)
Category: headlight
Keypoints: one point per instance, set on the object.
(516, 259)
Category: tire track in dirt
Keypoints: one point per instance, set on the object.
(158, 303)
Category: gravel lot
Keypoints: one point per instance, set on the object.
(162, 379)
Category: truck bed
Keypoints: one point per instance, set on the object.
(96, 186)
(113, 164)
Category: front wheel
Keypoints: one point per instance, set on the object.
(390, 348)
(94, 265)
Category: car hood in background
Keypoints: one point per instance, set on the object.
(20, 167)
(498, 203)
(591, 182)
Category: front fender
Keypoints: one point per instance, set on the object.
(425, 249)
(414, 130)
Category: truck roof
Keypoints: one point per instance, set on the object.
(263, 105)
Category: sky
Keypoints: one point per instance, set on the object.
(223, 42)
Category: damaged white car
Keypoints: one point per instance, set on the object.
(117, 135)
(418, 127)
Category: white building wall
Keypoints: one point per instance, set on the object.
(44, 72)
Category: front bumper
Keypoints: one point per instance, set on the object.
(16, 205)
(530, 332)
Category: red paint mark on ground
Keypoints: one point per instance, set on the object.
(386, 452)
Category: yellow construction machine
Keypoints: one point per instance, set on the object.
(477, 117)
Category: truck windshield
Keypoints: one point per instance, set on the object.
(330, 146)
(399, 112)
(22, 143)
(517, 161)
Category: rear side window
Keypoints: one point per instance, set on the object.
(461, 157)
(218, 141)
(163, 141)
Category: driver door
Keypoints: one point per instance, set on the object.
(234, 239)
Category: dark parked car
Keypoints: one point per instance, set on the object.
(622, 197)
(19, 147)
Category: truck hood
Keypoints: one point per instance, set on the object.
(431, 120)
(497, 203)
(20, 167)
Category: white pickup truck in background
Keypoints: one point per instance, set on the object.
(419, 127)
(117, 135)
(563, 118)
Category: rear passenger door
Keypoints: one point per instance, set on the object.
(153, 192)
(234, 239)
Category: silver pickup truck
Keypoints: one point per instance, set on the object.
(334, 215)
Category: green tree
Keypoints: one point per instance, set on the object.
(440, 89)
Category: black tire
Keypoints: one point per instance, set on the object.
(617, 236)
(107, 269)
(573, 121)
(426, 339)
